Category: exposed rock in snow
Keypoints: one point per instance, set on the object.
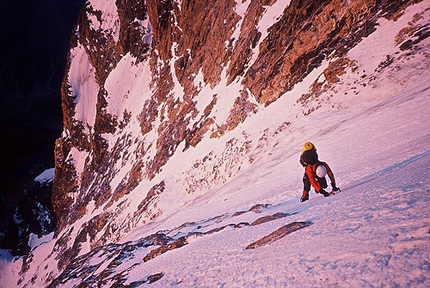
(278, 234)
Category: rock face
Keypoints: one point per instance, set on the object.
(147, 80)
(35, 42)
(307, 33)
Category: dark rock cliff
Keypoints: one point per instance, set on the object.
(35, 41)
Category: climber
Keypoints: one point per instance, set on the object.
(315, 172)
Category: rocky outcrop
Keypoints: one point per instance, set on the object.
(307, 33)
(278, 234)
(104, 49)
(33, 215)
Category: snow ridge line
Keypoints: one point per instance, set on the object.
(387, 170)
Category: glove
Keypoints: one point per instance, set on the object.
(333, 185)
(323, 192)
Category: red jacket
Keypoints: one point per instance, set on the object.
(310, 171)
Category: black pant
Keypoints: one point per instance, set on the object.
(307, 183)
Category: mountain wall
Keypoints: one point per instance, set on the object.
(35, 43)
(149, 82)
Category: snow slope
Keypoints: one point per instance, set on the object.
(372, 129)
(374, 234)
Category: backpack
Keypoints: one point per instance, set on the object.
(321, 180)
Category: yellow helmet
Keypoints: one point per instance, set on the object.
(308, 146)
